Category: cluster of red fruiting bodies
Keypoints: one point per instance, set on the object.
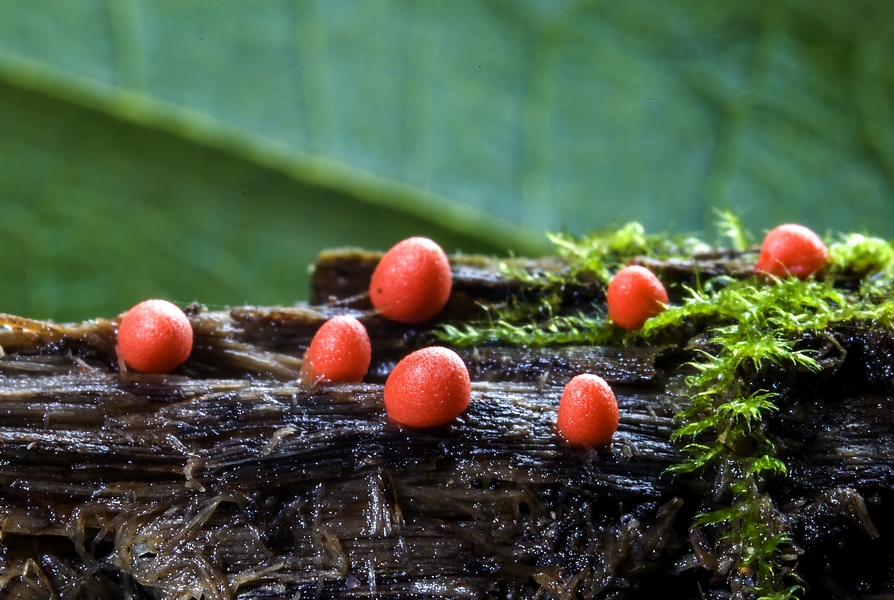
(431, 386)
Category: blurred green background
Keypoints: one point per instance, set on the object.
(207, 151)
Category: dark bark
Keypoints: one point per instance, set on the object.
(229, 479)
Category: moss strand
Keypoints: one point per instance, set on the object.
(748, 326)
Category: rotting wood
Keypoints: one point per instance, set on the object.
(230, 480)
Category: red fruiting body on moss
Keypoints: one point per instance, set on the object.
(429, 387)
(588, 411)
(339, 352)
(791, 250)
(635, 294)
(154, 337)
(412, 282)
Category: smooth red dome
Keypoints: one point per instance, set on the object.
(339, 352)
(791, 249)
(412, 282)
(429, 387)
(154, 337)
(588, 411)
(634, 294)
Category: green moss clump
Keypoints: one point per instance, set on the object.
(746, 325)
(860, 255)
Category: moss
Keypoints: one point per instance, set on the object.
(729, 224)
(599, 254)
(555, 330)
(859, 255)
(747, 324)
(535, 317)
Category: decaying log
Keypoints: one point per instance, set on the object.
(229, 479)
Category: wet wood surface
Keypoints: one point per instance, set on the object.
(230, 479)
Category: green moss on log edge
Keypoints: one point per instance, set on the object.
(749, 324)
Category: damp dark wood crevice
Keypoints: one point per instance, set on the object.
(228, 479)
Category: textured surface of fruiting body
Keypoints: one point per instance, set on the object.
(634, 294)
(339, 352)
(588, 411)
(429, 387)
(791, 249)
(412, 282)
(154, 337)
